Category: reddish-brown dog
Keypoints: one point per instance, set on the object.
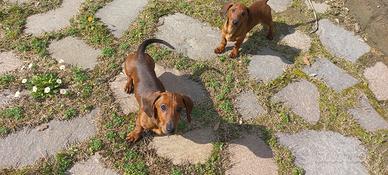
(240, 20)
(159, 110)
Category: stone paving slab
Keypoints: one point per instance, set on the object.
(119, 14)
(367, 116)
(248, 106)
(303, 99)
(74, 51)
(92, 166)
(172, 79)
(332, 75)
(29, 145)
(53, 20)
(340, 42)
(325, 152)
(377, 77)
(319, 7)
(297, 40)
(192, 147)
(9, 62)
(189, 36)
(249, 156)
(279, 5)
(267, 65)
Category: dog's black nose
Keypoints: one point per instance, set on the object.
(235, 22)
(170, 128)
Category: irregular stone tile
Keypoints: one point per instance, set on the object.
(74, 51)
(250, 155)
(173, 81)
(341, 42)
(189, 36)
(7, 97)
(303, 98)
(119, 14)
(53, 20)
(9, 62)
(92, 166)
(377, 77)
(248, 106)
(325, 152)
(332, 75)
(192, 147)
(319, 7)
(267, 66)
(297, 40)
(29, 145)
(279, 5)
(367, 116)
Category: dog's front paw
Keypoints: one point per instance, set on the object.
(233, 54)
(133, 137)
(219, 50)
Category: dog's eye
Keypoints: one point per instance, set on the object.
(163, 107)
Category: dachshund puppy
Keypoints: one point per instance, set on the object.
(240, 20)
(159, 110)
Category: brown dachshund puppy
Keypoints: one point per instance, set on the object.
(240, 20)
(159, 110)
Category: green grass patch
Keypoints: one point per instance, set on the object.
(15, 113)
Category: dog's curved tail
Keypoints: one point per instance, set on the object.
(141, 49)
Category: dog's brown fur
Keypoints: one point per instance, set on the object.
(240, 20)
(159, 110)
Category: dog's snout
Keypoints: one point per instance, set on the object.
(235, 22)
(170, 128)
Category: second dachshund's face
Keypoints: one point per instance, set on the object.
(237, 14)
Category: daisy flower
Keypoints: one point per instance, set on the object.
(59, 81)
(24, 81)
(62, 67)
(47, 90)
(34, 89)
(63, 91)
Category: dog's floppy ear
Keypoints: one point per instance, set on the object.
(189, 106)
(225, 9)
(148, 103)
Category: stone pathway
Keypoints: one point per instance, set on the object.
(332, 75)
(377, 77)
(33, 144)
(53, 20)
(297, 40)
(189, 36)
(249, 156)
(248, 106)
(279, 5)
(267, 65)
(367, 116)
(192, 147)
(340, 42)
(92, 166)
(119, 14)
(303, 98)
(9, 62)
(319, 7)
(81, 54)
(325, 152)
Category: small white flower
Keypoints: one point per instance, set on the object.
(24, 81)
(47, 90)
(62, 67)
(61, 61)
(34, 89)
(30, 66)
(63, 91)
(59, 81)
(17, 94)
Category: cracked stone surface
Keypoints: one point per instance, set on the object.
(319, 7)
(189, 36)
(267, 65)
(248, 106)
(279, 5)
(53, 20)
(332, 75)
(303, 99)
(119, 14)
(92, 166)
(325, 152)
(34, 144)
(377, 77)
(192, 147)
(170, 79)
(297, 40)
(340, 42)
(74, 51)
(250, 155)
(367, 116)
(9, 62)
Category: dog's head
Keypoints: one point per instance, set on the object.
(236, 15)
(165, 108)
